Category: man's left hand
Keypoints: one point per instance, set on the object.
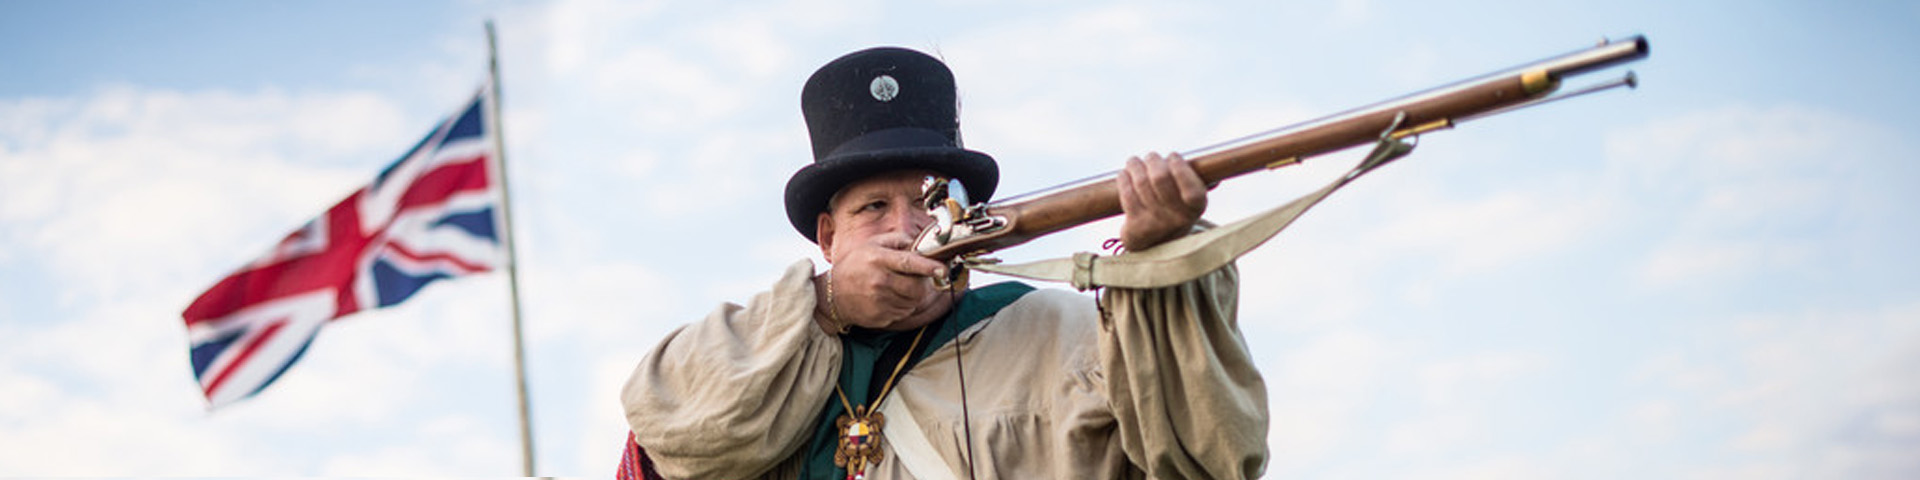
(1162, 198)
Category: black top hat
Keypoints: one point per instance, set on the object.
(879, 110)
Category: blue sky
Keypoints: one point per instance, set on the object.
(1707, 277)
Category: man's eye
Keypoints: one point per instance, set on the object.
(874, 206)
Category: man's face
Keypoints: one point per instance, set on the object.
(881, 205)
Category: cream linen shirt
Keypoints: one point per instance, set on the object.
(1161, 387)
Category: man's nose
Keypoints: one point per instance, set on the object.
(910, 218)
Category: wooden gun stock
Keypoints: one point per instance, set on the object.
(1026, 217)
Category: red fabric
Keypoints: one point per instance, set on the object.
(634, 464)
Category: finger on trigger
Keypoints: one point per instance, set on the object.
(912, 264)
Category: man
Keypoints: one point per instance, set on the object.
(871, 370)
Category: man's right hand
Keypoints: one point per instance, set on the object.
(882, 284)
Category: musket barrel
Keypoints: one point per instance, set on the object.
(1606, 55)
(1423, 111)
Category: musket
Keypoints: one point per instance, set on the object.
(962, 228)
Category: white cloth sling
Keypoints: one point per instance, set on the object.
(1189, 257)
(909, 443)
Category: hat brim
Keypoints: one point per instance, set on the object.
(815, 184)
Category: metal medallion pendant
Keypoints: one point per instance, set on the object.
(859, 441)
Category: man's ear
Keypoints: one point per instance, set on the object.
(823, 235)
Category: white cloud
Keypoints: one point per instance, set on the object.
(604, 432)
(190, 176)
(1404, 232)
(1750, 190)
(1314, 394)
(107, 393)
(719, 172)
(1501, 467)
(1044, 87)
(1824, 394)
(1352, 12)
(1684, 261)
(1656, 420)
(86, 437)
(599, 303)
(1434, 434)
(685, 72)
(1343, 399)
(1466, 380)
(1497, 229)
(683, 89)
(752, 46)
(577, 31)
(439, 446)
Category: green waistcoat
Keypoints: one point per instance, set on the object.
(869, 356)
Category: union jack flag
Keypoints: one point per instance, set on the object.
(428, 216)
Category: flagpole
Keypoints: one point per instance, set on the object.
(513, 261)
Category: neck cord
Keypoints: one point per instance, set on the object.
(885, 387)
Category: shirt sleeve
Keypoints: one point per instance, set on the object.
(734, 394)
(1186, 397)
